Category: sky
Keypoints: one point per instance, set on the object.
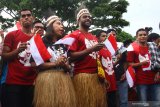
(142, 13)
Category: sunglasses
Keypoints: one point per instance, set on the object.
(24, 15)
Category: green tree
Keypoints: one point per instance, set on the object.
(105, 12)
(122, 36)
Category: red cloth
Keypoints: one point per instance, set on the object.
(142, 77)
(83, 41)
(106, 60)
(111, 44)
(130, 76)
(17, 72)
(38, 50)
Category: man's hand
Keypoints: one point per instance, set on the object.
(157, 77)
(22, 47)
(123, 77)
(144, 62)
(97, 47)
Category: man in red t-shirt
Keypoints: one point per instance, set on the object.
(20, 76)
(83, 52)
(107, 64)
(138, 56)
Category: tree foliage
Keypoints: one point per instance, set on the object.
(122, 36)
(105, 12)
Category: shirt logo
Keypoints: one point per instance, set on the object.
(89, 44)
(107, 64)
(57, 51)
(24, 57)
(145, 58)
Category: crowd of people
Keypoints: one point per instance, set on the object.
(69, 77)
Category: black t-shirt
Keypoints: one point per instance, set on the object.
(119, 67)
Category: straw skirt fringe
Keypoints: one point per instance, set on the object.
(89, 91)
(54, 89)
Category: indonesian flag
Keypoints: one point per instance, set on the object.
(130, 48)
(38, 50)
(111, 44)
(130, 76)
(67, 40)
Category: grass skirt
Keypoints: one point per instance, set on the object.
(89, 91)
(54, 88)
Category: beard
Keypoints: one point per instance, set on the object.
(86, 24)
(26, 24)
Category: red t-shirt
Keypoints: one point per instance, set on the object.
(83, 41)
(106, 60)
(137, 54)
(18, 71)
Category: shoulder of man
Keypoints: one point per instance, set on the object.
(152, 46)
(12, 32)
(11, 35)
(75, 33)
(151, 43)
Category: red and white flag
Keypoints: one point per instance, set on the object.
(38, 50)
(130, 48)
(130, 76)
(111, 44)
(67, 40)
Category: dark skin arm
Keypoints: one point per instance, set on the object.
(124, 75)
(138, 64)
(60, 62)
(8, 55)
(119, 56)
(133, 65)
(157, 77)
(46, 65)
(81, 54)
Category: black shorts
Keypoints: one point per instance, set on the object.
(18, 95)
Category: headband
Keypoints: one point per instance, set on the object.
(52, 19)
(81, 12)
